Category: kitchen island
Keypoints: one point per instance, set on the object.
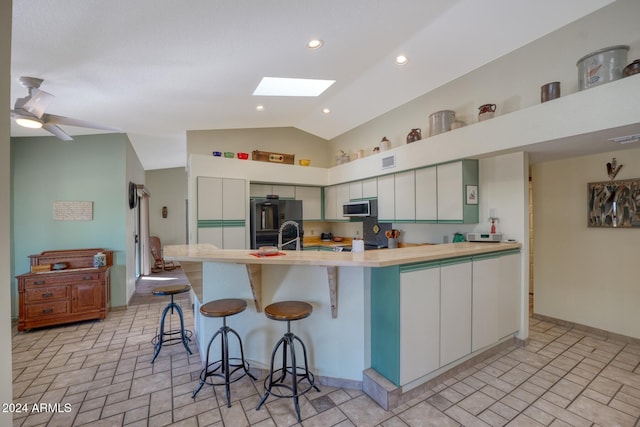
(369, 308)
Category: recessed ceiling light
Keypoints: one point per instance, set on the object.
(314, 44)
(326, 110)
(401, 60)
(260, 107)
(278, 86)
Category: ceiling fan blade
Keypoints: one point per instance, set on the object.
(57, 131)
(37, 102)
(67, 121)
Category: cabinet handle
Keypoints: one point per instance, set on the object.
(47, 311)
(87, 278)
(47, 295)
(39, 282)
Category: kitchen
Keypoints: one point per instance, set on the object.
(503, 177)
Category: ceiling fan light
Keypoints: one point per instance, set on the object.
(29, 122)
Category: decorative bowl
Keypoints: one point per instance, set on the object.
(304, 162)
(217, 153)
(243, 156)
(229, 154)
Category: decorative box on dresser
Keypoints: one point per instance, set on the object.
(53, 297)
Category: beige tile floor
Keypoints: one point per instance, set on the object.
(100, 375)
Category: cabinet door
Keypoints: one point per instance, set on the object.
(386, 198)
(370, 188)
(486, 294)
(450, 192)
(284, 191)
(259, 191)
(86, 297)
(455, 310)
(355, 190)
(330, 200)
(211, 235)
(311, 202)
(419, 323)
(342, 196)
(233, 199)
(234, 238)
(405, 195)
(209, 198)
(510, 301)
(426, 194)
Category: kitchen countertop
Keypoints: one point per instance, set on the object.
(376, 258)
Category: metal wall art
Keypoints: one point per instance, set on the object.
(614, 204)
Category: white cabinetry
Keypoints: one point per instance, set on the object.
(355, 190)
(405, 195)
(342, 196)
(510, 300)
(455, 309)
(419, 323)
(426, 194)
(221, 208)
(453, 181)
(261, 190)
(330, 200)
(370, 188)
(386, 198)
(311, 202)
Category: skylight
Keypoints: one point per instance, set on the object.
(280, 86)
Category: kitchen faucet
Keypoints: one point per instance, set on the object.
(297, 239)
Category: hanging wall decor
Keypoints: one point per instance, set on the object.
(614, 204)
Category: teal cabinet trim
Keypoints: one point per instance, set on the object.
(497, 254)
(450, 221)
(405, 268)
(426, 221)
(385, 322)
(454, 261)
(218, 223)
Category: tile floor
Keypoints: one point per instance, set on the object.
(100, 375)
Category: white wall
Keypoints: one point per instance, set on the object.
(168, 187)
(584, 275)
(6, 393)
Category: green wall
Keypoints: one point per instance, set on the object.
(89, 168)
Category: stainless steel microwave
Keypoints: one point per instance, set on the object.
(360, 208)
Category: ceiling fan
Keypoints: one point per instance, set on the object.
(30, 112)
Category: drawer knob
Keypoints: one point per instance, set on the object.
(47, 311)
(39, 282)
(87, 278)
(47, 295)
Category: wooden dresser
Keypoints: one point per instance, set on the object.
(78, 292)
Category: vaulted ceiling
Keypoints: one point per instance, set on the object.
(157, 68)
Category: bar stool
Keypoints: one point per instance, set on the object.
(171, 337)
(223, 308)
(288, 311)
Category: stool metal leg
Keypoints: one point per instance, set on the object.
(161, 335)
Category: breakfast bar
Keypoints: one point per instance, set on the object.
(386, 321)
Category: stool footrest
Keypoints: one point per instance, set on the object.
(212, 371)
(302, 375)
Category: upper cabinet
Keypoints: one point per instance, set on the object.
(426, 194)
(458, 192)
(261, 190)
(221, 208)
(311, 202)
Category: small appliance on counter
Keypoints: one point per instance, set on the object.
(484, 237)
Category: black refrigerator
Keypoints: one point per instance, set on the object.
(268, 215)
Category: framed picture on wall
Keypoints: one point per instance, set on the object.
(472, 194)
(614, 204)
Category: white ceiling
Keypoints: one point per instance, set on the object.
(157, 68)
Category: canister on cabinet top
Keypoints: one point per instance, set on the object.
(99, 260)
(601, 66)
(440, 121)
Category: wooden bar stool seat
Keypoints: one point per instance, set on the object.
(171, 337)
(293, 387)
(226, 367)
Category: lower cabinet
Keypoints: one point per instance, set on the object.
(60, 297)
(428, 315)
(226, 235)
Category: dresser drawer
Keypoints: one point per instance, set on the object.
(41, 294)
(44, 279)
(51, 309)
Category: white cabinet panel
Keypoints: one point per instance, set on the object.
(259, 191)
(386, 197)
(311, 202)
(450, 190)
(419, 323)
(209, 198)
(370, 188)
(355, 190)
(455, 311)
(510, 301)
(211, 235)
(330, 200)
(405, 196)
(342, 196)
(234, 237)
(426, 194)
(486, 297)
(233, 199)
(284, 191)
